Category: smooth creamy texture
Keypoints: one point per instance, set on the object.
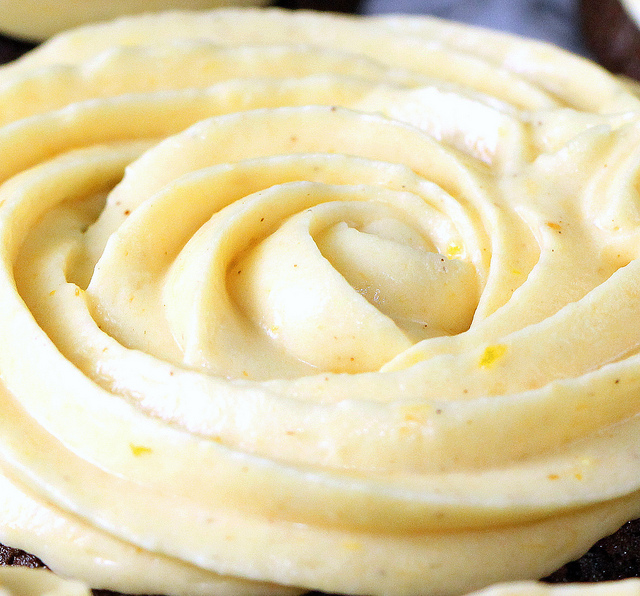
(36, 20)
(296, 301)
(21, 581)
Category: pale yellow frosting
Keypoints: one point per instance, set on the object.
(36, 20)
(22, 581)
(295, 301)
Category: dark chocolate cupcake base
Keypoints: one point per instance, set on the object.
(10, 49)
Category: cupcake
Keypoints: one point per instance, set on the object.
(295, 302)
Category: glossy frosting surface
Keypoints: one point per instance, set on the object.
(294, 301)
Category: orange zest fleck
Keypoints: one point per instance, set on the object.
(139, 450)
(491, 355)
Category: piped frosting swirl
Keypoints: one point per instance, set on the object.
(295, 301)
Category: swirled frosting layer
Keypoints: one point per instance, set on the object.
(37, 20)
(293, 301)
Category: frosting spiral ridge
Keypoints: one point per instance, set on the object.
(348, 304)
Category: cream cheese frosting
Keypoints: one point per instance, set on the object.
(21, 581)
(36, 20)
(296, 301)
